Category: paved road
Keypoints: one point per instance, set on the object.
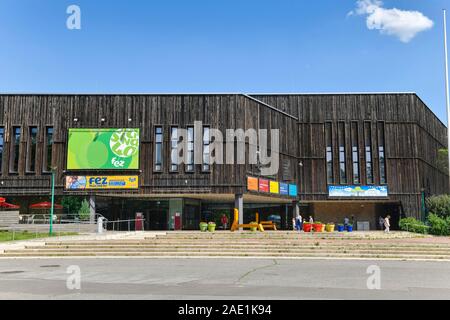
(222, 279)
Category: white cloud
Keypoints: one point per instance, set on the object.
(403, 24)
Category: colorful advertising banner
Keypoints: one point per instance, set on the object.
(270, 186)
(293, 190)
(284, 189)
(110, 149)
(263, 185)
(358, 191)
(274, 187)
(252, 184)
(101, 182)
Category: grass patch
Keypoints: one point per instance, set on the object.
(24, 235)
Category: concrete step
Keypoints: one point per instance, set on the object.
(203, 248)
(231, 251)
(245, 243)
(226, 254)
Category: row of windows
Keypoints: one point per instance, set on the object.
(31, 149)
(175, 139)
(355, 153)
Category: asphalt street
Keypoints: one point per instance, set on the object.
(231, 279)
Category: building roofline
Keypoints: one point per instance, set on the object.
(194, 93)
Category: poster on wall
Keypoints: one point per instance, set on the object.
(274, 187)
(293, 190)
(101, 182)
(284, 189)
(263, 185)
(252, 184)
(103, 149)
(358, 191)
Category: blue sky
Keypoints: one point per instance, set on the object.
(245, 46)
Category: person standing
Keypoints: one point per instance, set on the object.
(299, 222)
(346, 222)
(311, 221)
(224, 221)
(387, 224)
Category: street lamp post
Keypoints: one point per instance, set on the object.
(447, 94)
(53, 202)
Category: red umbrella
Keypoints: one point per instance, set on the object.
(2, 200)
(45, 205)
(8, 205)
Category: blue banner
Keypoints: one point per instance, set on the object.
(284, 189)
(358, 191)
(293, 190)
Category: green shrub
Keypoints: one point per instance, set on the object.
(439, 205)
(412, 225)
(439, 226)
(85, 211)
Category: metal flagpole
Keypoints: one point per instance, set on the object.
(447, 89)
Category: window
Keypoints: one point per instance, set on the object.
(381, 153)
(48, 149)
(158, 148)
(355, 153)
(174, 149)
(2, 145)
(31, 149)
(190, 150)
(368, 150)
(329, 151)
(206, 150)
(342, 158)
(15, 150)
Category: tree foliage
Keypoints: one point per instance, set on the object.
(84, 211)
(442, 160)
(439, 205)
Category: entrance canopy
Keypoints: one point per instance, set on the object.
(207, 197)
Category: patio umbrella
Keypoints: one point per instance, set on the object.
(45, 205)
(8, 205)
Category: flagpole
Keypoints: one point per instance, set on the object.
(447, 93)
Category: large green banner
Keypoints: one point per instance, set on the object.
(90, 149)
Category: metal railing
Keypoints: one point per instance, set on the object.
(20, 232)
(57, 219)
(124, 225)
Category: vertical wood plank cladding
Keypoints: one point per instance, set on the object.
(412, 136)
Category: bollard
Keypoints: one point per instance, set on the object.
(100, 225)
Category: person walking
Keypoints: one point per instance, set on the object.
(387, 224)
(224, 221)
(299, 222)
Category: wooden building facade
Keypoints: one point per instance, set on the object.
(387, 140)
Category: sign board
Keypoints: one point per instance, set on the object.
(263, 185)
(110, 149)
(252, 184)
(358, 191)
(284, 189)
(270, 186)
(293, 190)
(101, 182)
(274, 187)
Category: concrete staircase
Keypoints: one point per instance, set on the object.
(399, 246)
